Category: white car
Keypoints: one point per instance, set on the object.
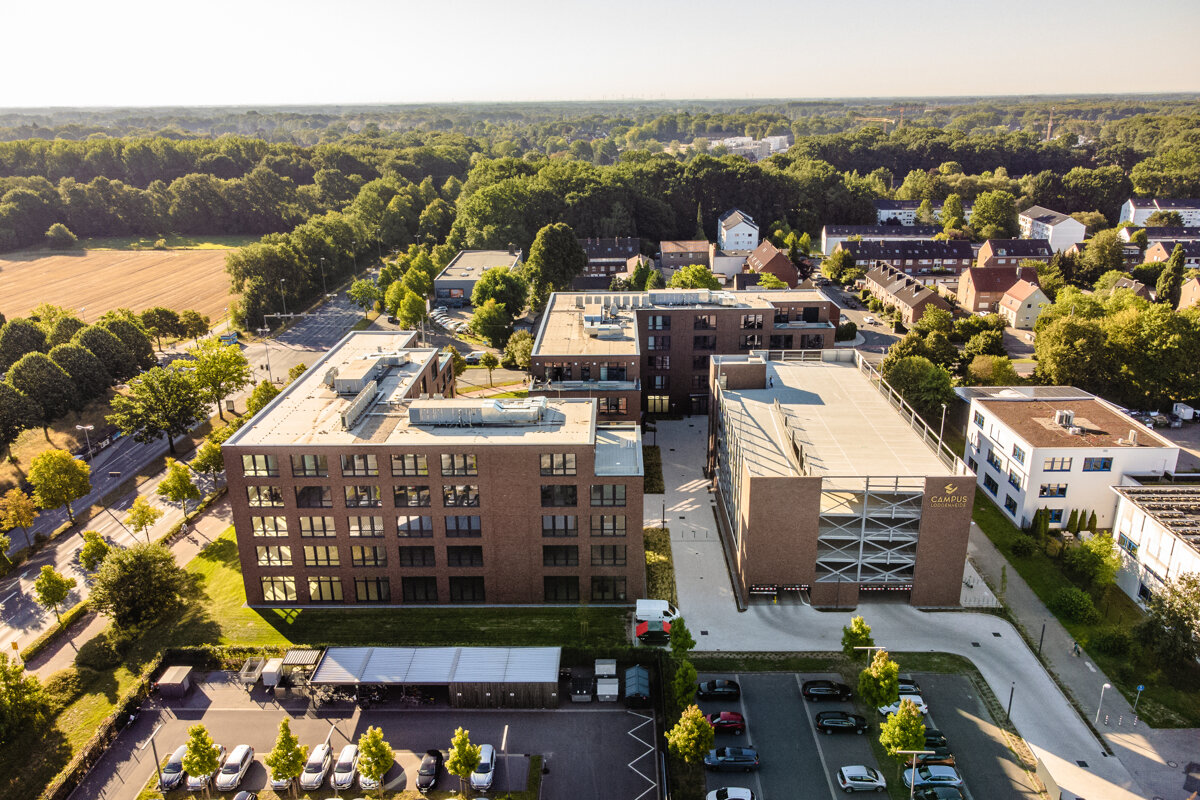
(235, 767)
(316, 767)
(870, 320)
(894, 707)
(481, 778)
(196, 783)
(346, 768)
(860, 778)
(730, 793)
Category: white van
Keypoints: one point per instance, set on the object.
(653, 610)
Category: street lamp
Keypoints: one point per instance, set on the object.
(1103, 689)
(87, 439)
(942, 429)
(267, 348)
(282, 296)
(912, 779)
(355, 254)
(324, 289)
(154, 749)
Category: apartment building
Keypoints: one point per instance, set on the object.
(827, 483)
(1060, 230)
(1138, 209)
(607, 257)
(1158, 531)
(1189, 294)
(833, 235)
(894, 288)
(1162, 234)
(649, 351)
(367, 482)
(1059, 448)
(929, 261)
(1161, 251)
(736, 230)
(677, 254)
(904, 212)
(981, 290)
(1011, 252)
(455, 283)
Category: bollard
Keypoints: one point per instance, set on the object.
(1106, 720)
(1120, 720)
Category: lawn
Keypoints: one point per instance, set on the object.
(652, 462)
(172, 242)
(660, 569)
(1169, 701)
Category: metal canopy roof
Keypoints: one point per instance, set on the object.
(438, 665)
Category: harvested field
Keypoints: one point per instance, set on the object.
(100, 280)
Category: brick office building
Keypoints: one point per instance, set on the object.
(364, 483)
(828, 486)
(649, 351)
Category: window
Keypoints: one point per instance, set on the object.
(978, 419)
(658, 342)
(559, 495)
(781, 316)
(993, 461)
(311, 466)
(606, 588)
(608, 494)
(1014, 479)
(414, 527)
(274, 556)
(278, 589)
(372, 590)
(459, 465)
(317, 526)
(1056, 515)
(972, 465)
(608, 555)
(1053, 490)
(661, 383)
(262, 466)
(658, 403)
(699, 382)
(460, 496)
(612, 405)
(1127, 544)
(1056, 465)
(558, 463)
(1097, 465)
(321, 556)
(417, 556)
(560, 555)
(704, 322)
(751, 341)
(264, 496)
(459, 556)
(325, 590)
(419, 590)
(608, 525)
(411, 496)
(782, 341)
(463, 527)
(658, 362)
(466, 589)
(269, 526)
(314, 497)
(363, 497)
(811, 313)
(561, 588)
(658, 322)
(1010, 505)
(360, 466)
(1018, 454)
(990, 484)
(752, 322)
(366, 526)
(559, 525)
(700, 362)
(704, 343)
(410, 466)
(368, 556)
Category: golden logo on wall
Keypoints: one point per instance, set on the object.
(951, 498)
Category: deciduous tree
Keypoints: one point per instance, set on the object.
(411, 311)
(160, 401)
(138, 585)
(178, 486)
(94, 549)
(683, 685)
(142, 516)
(694, 276)
(856, 634)
(22, 700)
(59, 237)
(200, 756)
(364, 293)
(464, 757)
(992, 371)
(459, 364)
(218, 370)
(129, 331)
(925, 385)
(193, 324)
(287, 758)
(1105, 251)
(492, 322)
(159, 322)
(17, 412)
(58, 479)
(903, 730)
(692, 736)
(994, 215)
(519, 349)
(1172, 626)
(766, 280)
(555, 259)
(263, 394)
(87, 372)
(375, 756)
(682, 641)
(504, 286)
(45, 383)
(17, 510)
(879, 683)
(489, 362)
(113, 354)
(51, 589)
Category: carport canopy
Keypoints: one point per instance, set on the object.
(434, 666)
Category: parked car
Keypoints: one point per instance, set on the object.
(727, 722)
(345, 768)
(279, 785)
(440, 309)
(719, 689)
(894, 707)
(730, 793)
(935, 738)
(870, 320)
(196, 783)
(429, 771)
(940, 755)
(830, 722)
(392, 319)
(234, 768)
(655, 631)
(245, 796)
(172, 773)
(933, 776)
(908, 685)
(726, 759)
(485, 773)
(474, 357)
(860, 778)
(937, 793)
(315, 768)
(825, 690)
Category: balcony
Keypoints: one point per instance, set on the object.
(798, 325)
(544, 385)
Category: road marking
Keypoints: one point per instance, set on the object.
(504, 740)
(10, 597)
(746, 723)
(816, 734)
(650, 748)
(1089, 666)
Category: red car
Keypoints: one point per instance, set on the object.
(727, 722)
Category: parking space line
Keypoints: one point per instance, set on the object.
(650, 748)
(746, 725)
(929, 723)
(817, 741)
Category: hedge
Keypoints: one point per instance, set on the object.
(50, 634)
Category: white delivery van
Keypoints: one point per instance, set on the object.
(652, 610)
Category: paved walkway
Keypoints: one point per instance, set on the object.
(1040, 711)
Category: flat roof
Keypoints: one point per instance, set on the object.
(1176, 508)
(844, 425)
(469, 265)
(1099, 423)
(438, 665)
(618, 450)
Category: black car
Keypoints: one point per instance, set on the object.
(908, 685)
(939, 755)
(727, 759)
(172, 771)
(937, 793)
(825, 690)
(430, 771)
(719, 690)
(830, 722)
(934, 738)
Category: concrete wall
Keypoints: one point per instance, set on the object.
(942, 542)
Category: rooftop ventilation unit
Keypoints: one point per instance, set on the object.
(359, 405)
(1064, 419)
(524, 411)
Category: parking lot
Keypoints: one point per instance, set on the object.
(797, 762)
(616, 744)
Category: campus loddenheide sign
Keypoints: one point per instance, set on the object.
(953, 496)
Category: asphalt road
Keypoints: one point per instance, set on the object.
(877, 337)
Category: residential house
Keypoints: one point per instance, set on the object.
(1189, 294)
(1060, 230)
(1011, 252)
(1022, 304)
(676, 254)
(928, 260)
(1158, 532)
(894, 288)
(833, 235)
(736, 230)
(1135, 286)
(1162, 234)
(608, 256)
(1131, 254)
(591, 283)
(454, 284)
(767, 258)
(1138, 209)
(980, 289)
(1059, 448)
(904, 212)
(1161, 251)
(727, 263)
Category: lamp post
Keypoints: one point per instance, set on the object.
(267, 349)
(87, 439)
(942, 429)
(912, 781)
(154, 750)
(355, 254)
(324, 288)
(282, 297)
(1103, 689)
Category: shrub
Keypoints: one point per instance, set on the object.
(63, 687)
(104, 652)
(846, 332)
(1024, 547)
(1074, 605)
(1113, 642)
(160, 244)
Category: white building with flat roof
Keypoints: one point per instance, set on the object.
(1158, 531)
(1059, 448)
(1060, 230)
(454, 284)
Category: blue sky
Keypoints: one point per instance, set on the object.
(268, 52)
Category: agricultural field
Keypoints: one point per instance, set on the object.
(100, 280)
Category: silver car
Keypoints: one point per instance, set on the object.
(316, 767)
(481, 778)
(196, 783)
(235, 767)
(346, 767)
